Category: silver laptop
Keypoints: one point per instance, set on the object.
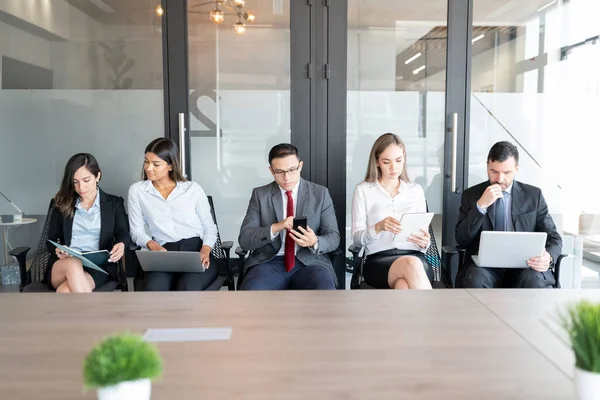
(170, 261)
(509, 249)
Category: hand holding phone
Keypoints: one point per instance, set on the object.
(302, 234)
(300, 221)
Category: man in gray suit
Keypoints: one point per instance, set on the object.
(282, 257)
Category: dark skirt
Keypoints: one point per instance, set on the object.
(377, 266)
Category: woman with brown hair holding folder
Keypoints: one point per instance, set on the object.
(84, 218)
(385, 194)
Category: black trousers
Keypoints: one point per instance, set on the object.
(479, 277)
(166, 281)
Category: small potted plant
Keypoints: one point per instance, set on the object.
(122, 367)
(581, 321)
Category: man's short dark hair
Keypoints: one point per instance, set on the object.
(502, 151)
(283, 150)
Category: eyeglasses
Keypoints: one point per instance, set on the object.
(291, 171)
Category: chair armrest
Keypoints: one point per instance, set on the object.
(131, 265)
(240, 252)
(449, 250)
(448, 254)
(354, 250)
(557, 270)
(226, 246)
(20, 253)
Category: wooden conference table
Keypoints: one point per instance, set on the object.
(444, 344)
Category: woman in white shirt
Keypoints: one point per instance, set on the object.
(177, 215)
(377, 206)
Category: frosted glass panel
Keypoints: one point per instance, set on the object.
(396, 82)
(75, 78)
(40, 130)
(239, 104)
(536, 83)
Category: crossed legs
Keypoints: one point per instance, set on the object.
(407, 272)
(68, 276)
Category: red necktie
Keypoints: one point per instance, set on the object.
(288, 255)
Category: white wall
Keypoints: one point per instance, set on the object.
(52, 16)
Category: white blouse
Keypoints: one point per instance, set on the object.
(184, 214)
(372, 203)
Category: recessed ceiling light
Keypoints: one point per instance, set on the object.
(477, 38)
(413, 58)
(546, 6)
(416, 71)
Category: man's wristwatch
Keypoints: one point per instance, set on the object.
(315, 246)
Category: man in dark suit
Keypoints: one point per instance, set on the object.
(503, 204)
(280, 256)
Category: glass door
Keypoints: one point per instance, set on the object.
(397, 83)
(238, 98)
(535, 83)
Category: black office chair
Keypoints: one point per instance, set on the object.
(433, 258)
(449, 252)
(336, 257)
(33, 279)
(220, 254)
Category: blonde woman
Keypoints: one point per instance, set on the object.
(378, 202)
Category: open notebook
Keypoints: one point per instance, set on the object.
(90, 259)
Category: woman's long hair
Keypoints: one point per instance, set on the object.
(66, 198)
(382, 143)
(167, 151)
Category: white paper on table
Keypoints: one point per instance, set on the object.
(187, 335)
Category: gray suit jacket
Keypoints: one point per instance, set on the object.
(266, 208)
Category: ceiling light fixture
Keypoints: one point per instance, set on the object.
(477, 38)
(413, 58)
(235, 7)
(546, 6)
(103, 6)
(416, 71)
(160, 11)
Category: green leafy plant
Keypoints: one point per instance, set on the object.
(120, 358)
(582, 323)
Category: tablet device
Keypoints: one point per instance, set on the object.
(412, 223)
(170, 261)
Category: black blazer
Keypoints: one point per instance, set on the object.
(529, 213)
(114, 225)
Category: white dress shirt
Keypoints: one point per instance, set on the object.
(285, 200)
(184, 214)
(85, 234)
(372, 203)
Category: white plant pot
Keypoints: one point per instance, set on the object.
(129, 390)
(587, 385)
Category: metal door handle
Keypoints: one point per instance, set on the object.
(454, 145)
(182, 143)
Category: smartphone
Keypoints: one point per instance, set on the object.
(300, 222)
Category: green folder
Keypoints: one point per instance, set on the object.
(89, 259)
